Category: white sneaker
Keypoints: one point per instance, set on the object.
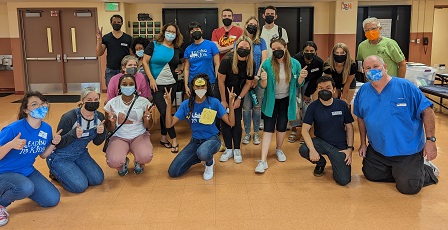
(246, 139)
(3, 216)
(256, 139)
(208, 172)
(226, 155)
(433, 166)
(262, 165)
(237, 156)
(280, 155)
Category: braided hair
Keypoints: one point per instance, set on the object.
(192, 98)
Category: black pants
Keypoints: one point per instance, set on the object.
(279, 116)
(161, 106)
(408, 172)
(232, 135)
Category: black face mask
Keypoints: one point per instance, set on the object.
(278, 53)
(196, 35)
(131, 70)
(340, 58)
(91, 105)
(325, 94)
(116, 27)
(242, 52)
(227, 21)
(308, 56)
(269, 19)
(251, 29)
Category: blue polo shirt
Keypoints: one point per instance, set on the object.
(393, 118)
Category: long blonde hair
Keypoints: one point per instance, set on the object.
(256, 39)
(249, 58)
(347, 64)
(286, 60)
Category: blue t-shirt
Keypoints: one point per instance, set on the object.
(37, 140)
(329, 121)
(393, 118)
(258, 48)
(201, 131)
(200, 57)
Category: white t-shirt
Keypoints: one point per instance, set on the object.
(134, 125)
(282, 87)
(267, 34)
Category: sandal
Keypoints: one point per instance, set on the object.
(175, 149)
(166, 144)
(292, 137)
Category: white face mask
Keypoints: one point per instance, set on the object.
(200, 92)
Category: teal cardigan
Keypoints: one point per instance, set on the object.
(267, 107)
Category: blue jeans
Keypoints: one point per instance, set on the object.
(341, 171)
(252, 112)
(196, 151)
(109, 74)
(15, 186)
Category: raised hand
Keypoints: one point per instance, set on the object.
(17, 143)
(232, 96)
(263, 74)
(304, 72)
(112, 117)
(79, 131)
(57, 138)
(100, 127)
(167, 97)
(99, 33)
(148, 112)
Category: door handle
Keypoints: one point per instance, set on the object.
(65, 57)
(41, 59)
(90, 58)
(58, 58)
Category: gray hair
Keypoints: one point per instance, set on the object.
(128, 58)
(370, 20)
(88, 90)
(380, 59)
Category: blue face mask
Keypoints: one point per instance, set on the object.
(170, 37)
(39, 113)
(374, 74)
(128, 90)
(140, 53)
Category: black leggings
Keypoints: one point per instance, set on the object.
(232, 135)
(161, 106)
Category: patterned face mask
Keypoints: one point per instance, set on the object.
(39, 113)
(374, 74)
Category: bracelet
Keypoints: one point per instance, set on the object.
(53, 143)
(239, 97)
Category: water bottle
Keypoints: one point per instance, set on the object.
(254, 97)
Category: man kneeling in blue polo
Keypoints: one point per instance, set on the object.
(334, 133)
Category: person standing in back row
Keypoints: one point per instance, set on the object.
(225, 36)
(270, 29)
(118, 45)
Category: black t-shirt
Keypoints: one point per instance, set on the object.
(116, 49)
(337, 77)
(174, 62)
(315, 70)
(236, 80)
(329, 121)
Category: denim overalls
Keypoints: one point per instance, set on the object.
(76, 178)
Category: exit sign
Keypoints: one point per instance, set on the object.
(112, 6)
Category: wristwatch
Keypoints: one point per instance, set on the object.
(351, 147)
(433, 138)
(239, 97)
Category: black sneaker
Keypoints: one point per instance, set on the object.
(319, 170)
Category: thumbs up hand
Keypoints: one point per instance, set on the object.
(57, 138)
(304, 72)
(100, 128)
(263, 74)
(17, 143)
(79, 131)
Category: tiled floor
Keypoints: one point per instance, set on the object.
(287, 196)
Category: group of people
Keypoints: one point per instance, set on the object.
(242, 74)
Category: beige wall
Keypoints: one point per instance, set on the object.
(440, 37)
(4, 32)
